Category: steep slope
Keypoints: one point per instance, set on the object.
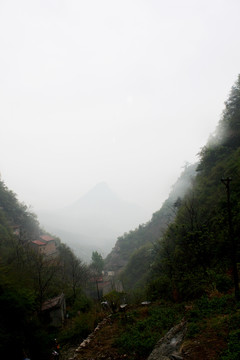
(15, 215)
(134, 249)
(200, 250)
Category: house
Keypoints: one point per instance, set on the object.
(102, 285)
(53, 311)
(45, 245)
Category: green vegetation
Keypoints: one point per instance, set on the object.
(78, 329)
(195, 252)
(210, 312)
(28, 278)
(97, 264)
(134, 252)
(140, 329)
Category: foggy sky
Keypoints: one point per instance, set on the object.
(123, 91)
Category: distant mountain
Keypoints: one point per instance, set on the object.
(96, 198)
(95, 220)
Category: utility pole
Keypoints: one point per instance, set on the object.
(232, 241)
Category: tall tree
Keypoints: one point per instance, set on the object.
(97, 263)
(96, 268)
(74, 272)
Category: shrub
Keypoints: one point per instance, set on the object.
(206, 308)
(140, 332)
(159, 288)
(114, 299)
(137, 340)
(233, 350)
(216, 305)
(80, 327)
(223, 283)
(82, 303)
(193, 329)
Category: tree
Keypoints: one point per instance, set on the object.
(97, 263)
(18, 214)
(96, 268)
(74, 272)
(232, 240)
(44, 272)
(229, 126)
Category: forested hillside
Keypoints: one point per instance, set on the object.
(28, 278)
(191, 243)
(134, 251)
(199, 251)
(195, 261)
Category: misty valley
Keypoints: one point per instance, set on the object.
(100, 279)
(94, 221)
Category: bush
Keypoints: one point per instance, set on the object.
(138, 340)
(140, 332)
(136, 296)
(20, 330)
(234, 321)
(159, 288)
(223, 283)
(233, 350)
(193, 329)
(80, 327)
(82, 303)
(216, 305)
(114, 299)
(191, 286)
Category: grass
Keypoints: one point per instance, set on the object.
(213, 329)
(214, 324)
(140, 329)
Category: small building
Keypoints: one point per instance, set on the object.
(45, 245)
(38, 246)
(54, 311)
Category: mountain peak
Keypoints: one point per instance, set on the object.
(99, 195)
(100, 191)
(101, 186)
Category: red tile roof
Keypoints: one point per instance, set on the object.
(38, 242)
(46, 238)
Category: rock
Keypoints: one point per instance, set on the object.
(167, 348)
(176, 357)
(146, 303)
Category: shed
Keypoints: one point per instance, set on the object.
(54, 311)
